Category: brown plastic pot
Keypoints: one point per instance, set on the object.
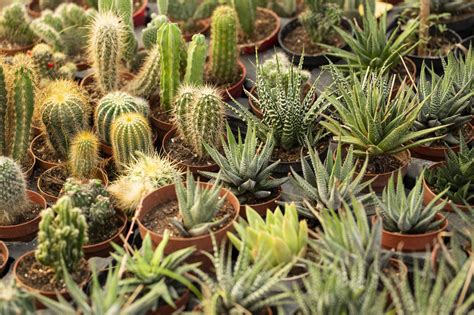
(30, 8)
(26, 231)
(14, 51)
(31, 167)
(42, 164)
(262, 207)
(205, 24)
(236, 89)
(266, 43)
(168, 309)
(4, 254)
(412, 242)
(139, 16)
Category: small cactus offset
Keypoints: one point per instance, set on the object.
(247, 14)
(112, 106)
(150, 32)
(130, 133)
(84, 155)
(147, 81)
(3, 106)
(13, 198)
(64, 112)
(224, 50)
(14, 25)
(182, 106)
(51, 65)
(49, 4)
(62, 233)
(197, 53)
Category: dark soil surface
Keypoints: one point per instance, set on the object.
(438, 46)
(31, 211)
(251, 200)
(466, 132)
(298, 40)
(53, 181)
(159, 114)
(42, 150)
(180, 152)
(101, 233)
(27, 162)
(223, 85)
(380, 164)
(265, 24)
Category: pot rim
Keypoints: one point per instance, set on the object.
(452, 34)
(261, 204)
(140, 9)
(37, 158)
(274, 32)
(44, 205)
(414, 236)
(5, 253)
(124, 219)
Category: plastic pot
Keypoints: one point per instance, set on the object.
(237, 88)
(42, 164)
(139, 16)
(266, 43)
(4, 254)
(168, 309)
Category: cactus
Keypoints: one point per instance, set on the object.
(75, 22)
(48, 28)
(51, 65)
(14, 25)
(130, 132)
(3, 106)
(13, 198)
(150, 32)
(49, 4)
(182, 106)
(197, 53)
(247, 14)
(106, 44)
(112, 106)
(171, 45)
(68, 71)
(224, 51)
(147, 81)
(62, 233)
(84, 155)
(64, 112)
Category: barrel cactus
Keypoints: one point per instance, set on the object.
(84, 155)
(197, 53)
(13, 198)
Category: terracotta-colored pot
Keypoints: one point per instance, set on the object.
(205, 25)
(236, 89)
(429, 195)
(42, 164)
(268, 41)
(30, 8)
(195, 169)
(412, 242)
(161, 127)
(14, 51)
(31, 167)
(168, 309)
(26, 231)
(203, 242)
(103, 249)
(139, 16)
(262, 207)
(89, 79)
(4, 254)
(51, 198)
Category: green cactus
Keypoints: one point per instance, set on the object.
(112, 106)
(197, 53)
(147, 81)
(247, 14)
(13, 198)
(106, 44)
(130, 133)
(75, 22)
(14, 25)
(62, 233)
(183, 103)
(150, 32)
(224, 51)
(51, 65)
(49, 4)
(3, 106)
(67, 71)
(84, 155)
(48, 28)
(171, 45)
(64, 112)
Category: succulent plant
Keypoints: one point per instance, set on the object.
(247, 14)
(147, 82)
(284, 8)
(406, 214)
(150, 32)
(14, 300)
(64, 111)
(51, 65)
(62, 233)
(319, 19)
(49, 4)
(14, 25)
(280, 236)
(13, 198)
(465, 230)
(113, 105)
(84, 155)
(187, 12)
(224, 52)
(75, 27)
(245, 167)
(463, 72)
(130, 132)
(196, 60)
(456, 175)
(278, 67)
(3, 105)
(48, 28)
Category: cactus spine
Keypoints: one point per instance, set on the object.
(84, 155)
(51, 65)
(112, 106)
(150, 33)
(14, 25)
(130, 133)
(171, 45)
(49, 4)
(182, 106)
(48, 28)
(147, 81)
(224, 51)
(105, 50)
(3, 107)
(64, 112)
(197, 53)
(247, 13)
(62, 233)
(13, 197)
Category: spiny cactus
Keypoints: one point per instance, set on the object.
(48, 28)
(172, 56)
(247, 14)
(62, 233)
(130, 132)
(224, 51)
(15, 300)
(147, 81)
(84, 155)
(106, 44)
(49, 4)
(150, 32)
(183, 103)
(13, 199)
(3, 106)
(197, 53)
(51, 65)
(64, 112)
(14, 25)
(112, 106)
(75, 22)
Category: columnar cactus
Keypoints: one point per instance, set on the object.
(64, 112)
(197, 53)
(171, 45)
(49, 4)
(62, 233)
(13, 198)
(147, 81)
(112, 106)
(75, 27)
(3, 107)
(247, 14)
(130, 133)
(48, 28)
(182, 106)
(14, 25)
(150, 32)
(106, 44)
(224, 51)
(84, 155)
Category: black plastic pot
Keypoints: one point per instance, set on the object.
(464, 27)
(468, 42)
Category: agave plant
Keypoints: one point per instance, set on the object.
(281, 237)
(246, 169)
(407, 214)
(329, 185)
(456, 175)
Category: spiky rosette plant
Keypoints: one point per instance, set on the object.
(62, 233)
(130, 132)
(14, 25)
(84, 155)
(150, 32)
(13, 198)
(15, 300)
(147, 82)
(64, 112)
(463, 72)
(111, 106)
(196, 60)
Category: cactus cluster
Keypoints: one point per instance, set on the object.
(150, 32)
(14, 25)
(49, 4)
(62, 233)
(199, 117)
(64, 112)
(187, 12)
(50, 64)
(13, 198)
(247, 14)
(146, 83)
(84, 155)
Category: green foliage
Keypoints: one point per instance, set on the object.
(14, 25)
(14, 300)
(279, 239)
(84, 155)
(319, 20)
(13, 198)
(278, 67)
(187, 12)
(284, 8)
(62, 233)
(49, 4)
(147, 82)
(463, 72)
(407, 214)
(196, 60)
(456, 175)
(51, 65)
(48, 28)
(150, 32)
(247, 14)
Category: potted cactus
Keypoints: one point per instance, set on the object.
(51, 65)
(4, 255)
(20, 208)
(285, 8)
(15, 30)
